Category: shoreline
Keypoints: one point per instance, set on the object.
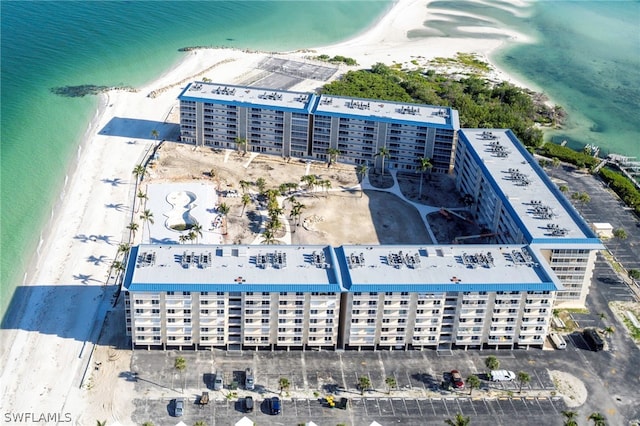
(80, 239)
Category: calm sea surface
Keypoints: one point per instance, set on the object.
(586, 57)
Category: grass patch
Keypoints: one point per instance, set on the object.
(634, 331)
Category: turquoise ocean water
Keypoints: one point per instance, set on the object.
(586, 57)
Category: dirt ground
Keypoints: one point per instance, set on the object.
(339, 215)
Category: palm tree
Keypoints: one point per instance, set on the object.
(246, 200)
(147, 217)
(200, 423)
(523, 378)
(101, 423)
(608, 330)
(242, 143)
(117, 265)
(555, 163)
(333, 155)
(570, 418)
(473, 382)
(563, 188)
(132, 227)
(310, 180)
(197, 230)
(274, 224)
(224, 209)
(620, 235)
(361, 171)
(155, 134)
(141, 196)
(492, 363)
(183, 239)
(364, 383)
(268, 237)
(284, 384)
(244, 185)
(147, 424)
(383, 152)
(296, 211)
(598, 419)
(391, 383)
(459, 420)
(123, 248)
(261, 183)
(425, 164)
(292, 200)
(180, 364)
(139, 171)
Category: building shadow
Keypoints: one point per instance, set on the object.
(140, 129)
(67, 311)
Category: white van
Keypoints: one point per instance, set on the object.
(502, 376)
(558, 341)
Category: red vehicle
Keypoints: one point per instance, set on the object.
(456, 379)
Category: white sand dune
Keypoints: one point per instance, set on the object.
(46, 351)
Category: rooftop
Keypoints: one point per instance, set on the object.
(247, 96)
(324, 269)
(397, 112)
(544, 213)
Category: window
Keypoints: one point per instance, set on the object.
(171, 320)
(171, 311)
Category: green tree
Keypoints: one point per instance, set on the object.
(391, 383)
(224, 210)
(242, 143)
(132, 227)
(425, 164)
(608, 330)
(570, 418)
(141, 197)
(139, 171)
(155, 134)
(123, 248)
(244, 185)
(200, 423)
(180, 364)
(555, 163)
(147, 423)
(101, 423)
(284, 384)
(620, 235)
(261, 183)
(563, 188)
(598, 419)
(522, 378)
(492, 362)
(246, 200)
(268, 237)
(333, 155)
(147, 217)
(361, 171)
(183, 239)
(197, 230)
(383, 153)
(458, 420)
(473, 382)
(310, 180)
(364, 384)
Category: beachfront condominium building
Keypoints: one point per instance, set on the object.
(514, 200)
(310, 126)
(349, 297)
(498, 295)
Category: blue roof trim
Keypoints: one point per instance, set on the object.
(458, 287)
(304, 109)
(573, 213)
(380, 119)
(271, 288)
(577, 243)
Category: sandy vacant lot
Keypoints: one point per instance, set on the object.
(342, 214)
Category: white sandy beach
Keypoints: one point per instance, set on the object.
(68, 291)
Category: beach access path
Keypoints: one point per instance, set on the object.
(48, 341)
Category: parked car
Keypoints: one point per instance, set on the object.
(456, 379)
(248, 404)
(593, 339)
(249, 383)
(178, 407)
(502, 376)
(218, 382)
(274, 406)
